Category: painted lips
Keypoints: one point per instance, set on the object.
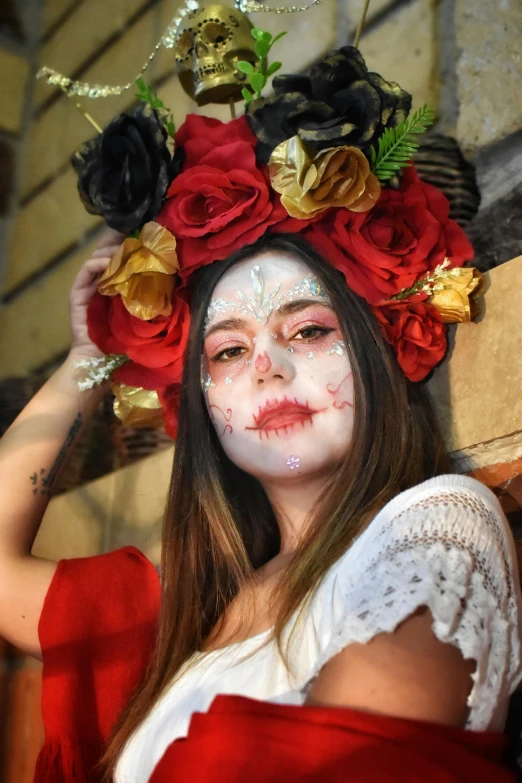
(282, 414)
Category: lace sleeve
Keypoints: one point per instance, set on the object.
(448, 548)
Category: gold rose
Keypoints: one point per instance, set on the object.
(310, 182)
(142, 272)
(452, 291)
(137, 407)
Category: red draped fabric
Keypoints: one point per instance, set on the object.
(245, 741)
(97, 629)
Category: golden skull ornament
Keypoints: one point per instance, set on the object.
(209, 44)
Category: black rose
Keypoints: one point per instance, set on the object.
(339, 103)
(124, 173)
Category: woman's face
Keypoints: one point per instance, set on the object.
(275, 371)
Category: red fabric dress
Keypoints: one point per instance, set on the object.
(96, 631)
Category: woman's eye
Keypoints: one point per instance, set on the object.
(312, 332)
(228, 354)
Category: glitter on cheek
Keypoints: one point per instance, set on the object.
(290, 349)
(248, 362)
(222, 370)
(293, 462)
(337, 348)
(208, 383)
(310, 355)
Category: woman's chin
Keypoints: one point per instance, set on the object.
(287, 464)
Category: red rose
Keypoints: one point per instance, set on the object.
(169, 398)
(221, 200)
(417, 333)
(156, 348)
(388, 248)
(200, 135)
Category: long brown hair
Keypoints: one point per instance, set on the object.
(219, 525)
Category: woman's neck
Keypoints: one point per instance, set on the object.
(292, 502)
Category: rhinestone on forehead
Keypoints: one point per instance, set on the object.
(261, 305)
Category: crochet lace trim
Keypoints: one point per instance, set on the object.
(448, 550)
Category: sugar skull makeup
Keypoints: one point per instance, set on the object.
(276, 376)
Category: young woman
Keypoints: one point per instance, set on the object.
(318, 558)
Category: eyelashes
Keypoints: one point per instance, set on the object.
(306, 334)
(236, 351)
(322, 332)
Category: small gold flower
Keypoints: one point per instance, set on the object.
(142, 273)
(456, 292)
(310, 183)
(137, 407)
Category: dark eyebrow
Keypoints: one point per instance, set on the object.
(284, 310)
(230, 323)
(300, 304)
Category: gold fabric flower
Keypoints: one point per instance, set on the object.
(137, 407)
(142, 273)
(310, 183)
(455, 294)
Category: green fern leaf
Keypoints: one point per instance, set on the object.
(397, 145)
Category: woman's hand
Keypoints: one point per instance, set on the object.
(84, 288)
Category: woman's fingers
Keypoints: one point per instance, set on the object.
(109, 237)
(89, 274)
(103, 252)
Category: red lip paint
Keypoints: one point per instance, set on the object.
(277, 415)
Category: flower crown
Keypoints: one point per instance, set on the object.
(327, 156)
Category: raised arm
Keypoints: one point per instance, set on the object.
(32, 454)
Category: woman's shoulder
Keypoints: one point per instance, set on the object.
(444, 544)
(447, 524)
(108, 597)
(451, 507)
(444, 491)
(89, 593)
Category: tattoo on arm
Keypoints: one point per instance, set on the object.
(43, 481)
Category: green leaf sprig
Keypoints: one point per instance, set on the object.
(397, 145)
(259, 74)
(147, 95)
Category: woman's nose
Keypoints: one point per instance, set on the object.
(270, 363)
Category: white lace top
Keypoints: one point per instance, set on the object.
(444, 544)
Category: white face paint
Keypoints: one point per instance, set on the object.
(276, 377)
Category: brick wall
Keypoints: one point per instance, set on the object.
(433, 49)
(461, 56)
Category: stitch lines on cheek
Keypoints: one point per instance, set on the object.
(282, 416)
(223, 417)
(339, 392)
